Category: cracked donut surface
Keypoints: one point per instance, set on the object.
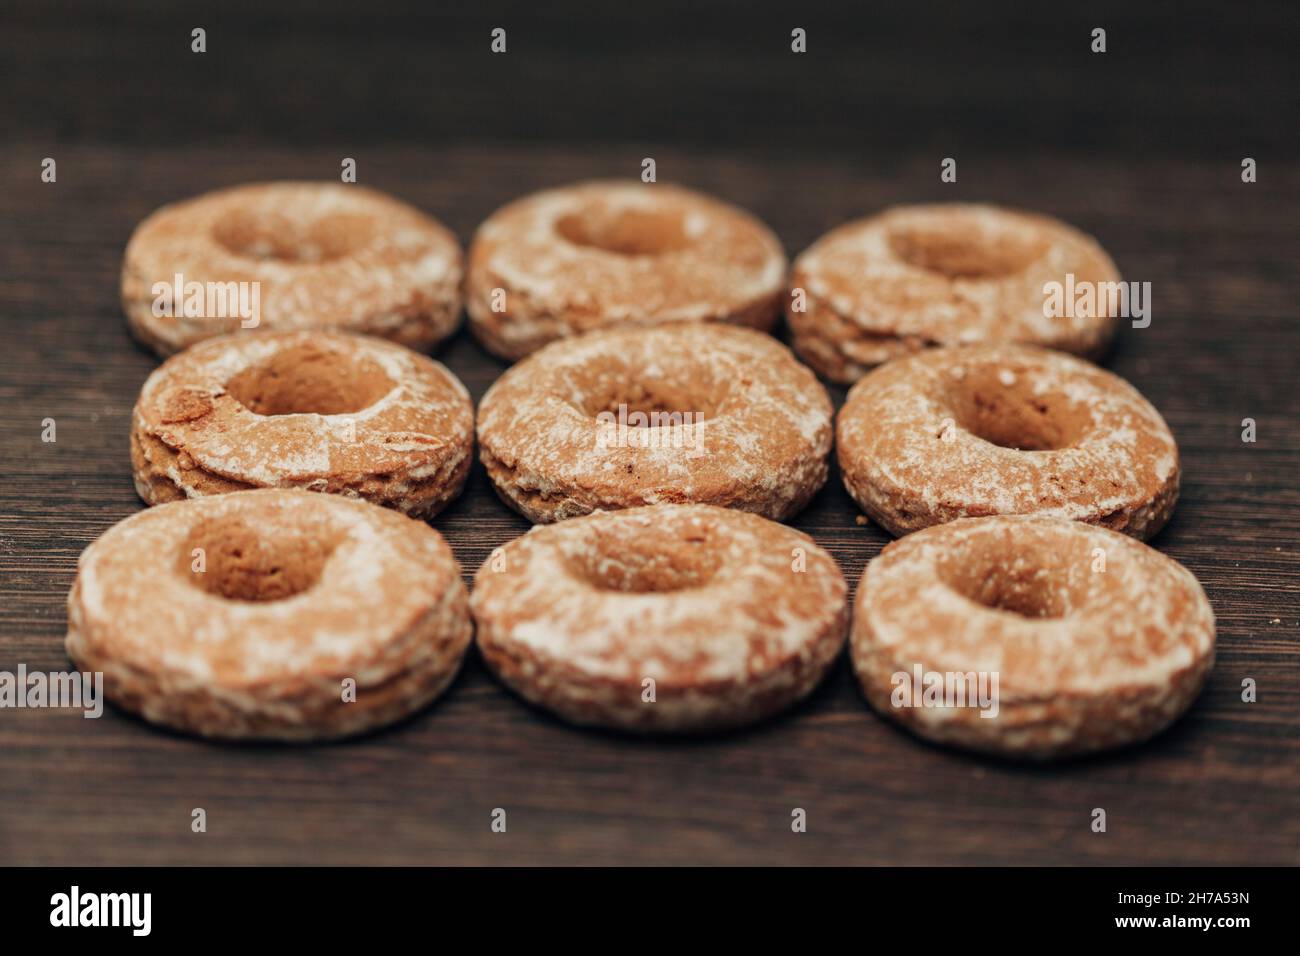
(322, 255)
(1005, 429)
(670, 618)
(565, 261)
(1083, 639)
(321, 411)
(573, 428)
(915, 277)
(246, 616)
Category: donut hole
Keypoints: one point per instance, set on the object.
(1021, 579)
(642, 401)
(310, 379)
(238, 561)
(268, 236)
(654, 560)
(960, 247)
(626, 232)
(1001, 407)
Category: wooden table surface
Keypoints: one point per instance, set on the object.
(1223, 786)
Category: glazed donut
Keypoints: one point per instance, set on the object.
(242, 616)
(690, 412)
(322, 411)
(1080, 638)
(1005, 429)
(951, 274)
(307, 255)
(564, 261)
(665, 618)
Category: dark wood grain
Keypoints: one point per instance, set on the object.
(1220, 787)
(1140, 147)
(933, 74)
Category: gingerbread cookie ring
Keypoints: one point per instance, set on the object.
(322, 411)
(670, 618)
(269, 615)
(565, 261)
(914, 277)
(691, 412)
(291, 255)
(1030, 638)
(1005, 429)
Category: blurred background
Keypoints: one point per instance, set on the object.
(1191, 78)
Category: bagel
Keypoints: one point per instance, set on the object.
(669, 618)
(730, 418)
(307, 255)
(1005, 429)
(1090, 640)
(568, 260)
(322, 411)
(246, 616)
(914, 277)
